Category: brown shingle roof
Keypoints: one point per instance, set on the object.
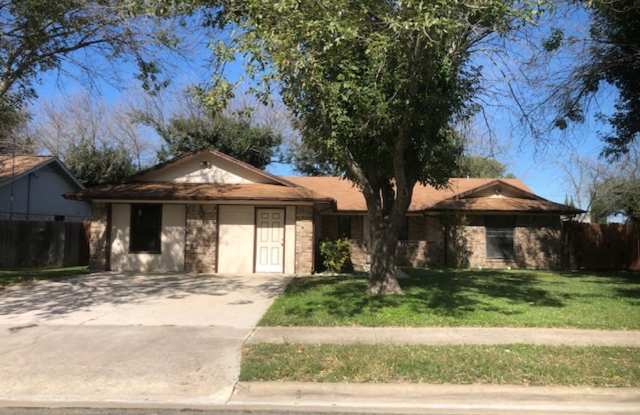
(349, 198)
(198, 191)
(504, 204)
(13, 167)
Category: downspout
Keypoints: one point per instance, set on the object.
(446, 245)
(107, 248)
(29, 176)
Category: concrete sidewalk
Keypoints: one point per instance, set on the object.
(444, 336)
(422, 398)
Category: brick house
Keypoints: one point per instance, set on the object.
(208, 212)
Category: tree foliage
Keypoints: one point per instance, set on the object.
(615, 191)
(98, 164)
(309, 162)
(612, 58)
(376, 85)
(38, 36)
(233, 134)
(479, 166)
(14, 133)
(616, 196)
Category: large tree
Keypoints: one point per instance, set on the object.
(610, 55)
(376, 85)
(38, 36)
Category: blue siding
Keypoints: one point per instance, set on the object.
(48, 184)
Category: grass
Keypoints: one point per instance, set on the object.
(13, 276)
(465, 298)
(505, 364)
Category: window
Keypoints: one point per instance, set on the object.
(499, 236)
(344, 226)
(146, 224)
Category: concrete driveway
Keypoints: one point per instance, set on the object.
(134, 338)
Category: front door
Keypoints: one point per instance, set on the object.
(270, 240)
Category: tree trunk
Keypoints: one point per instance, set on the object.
(383, 246)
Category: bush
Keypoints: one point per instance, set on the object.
(336, 255)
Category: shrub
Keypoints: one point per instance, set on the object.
(336, 255)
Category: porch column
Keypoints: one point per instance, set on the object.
(99, 237)
(201, 238)
(304, 239)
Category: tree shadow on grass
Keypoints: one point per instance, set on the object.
(450, 293)
(439, 292)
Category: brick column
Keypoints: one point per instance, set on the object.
(304, 239)
(98, 237)
(201, 238)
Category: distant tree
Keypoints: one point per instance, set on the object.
(87, 118)
(616, 196)
(99, 164)
(479, 166)
(232, 133)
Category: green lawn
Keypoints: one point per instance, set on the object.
(465, 298)
(11, 276)
(505, 364)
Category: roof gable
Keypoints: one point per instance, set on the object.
(13, 168)
(497, 188)
(207, 166)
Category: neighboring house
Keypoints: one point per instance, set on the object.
(37, 184)
(208, 212)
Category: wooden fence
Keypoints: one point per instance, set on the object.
(37, 244)
(601, 247)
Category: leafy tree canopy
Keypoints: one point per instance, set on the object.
(614, 48)
(479, 166)
(37, 36)
(233, 134)
(376, 86)
(309, 162)
(616, 196)
(14, 136)
(103, 164)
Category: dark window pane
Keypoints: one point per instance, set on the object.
(344, 226)
(146, 224)
(499, 236)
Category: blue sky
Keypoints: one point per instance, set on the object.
(538, 164)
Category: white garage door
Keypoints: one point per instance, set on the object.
(235, 245)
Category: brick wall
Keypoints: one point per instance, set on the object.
(201, 238)
(304, 240)
(98, 235)
(537, 244)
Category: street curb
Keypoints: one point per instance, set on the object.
(474, 398)
(445, 336)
